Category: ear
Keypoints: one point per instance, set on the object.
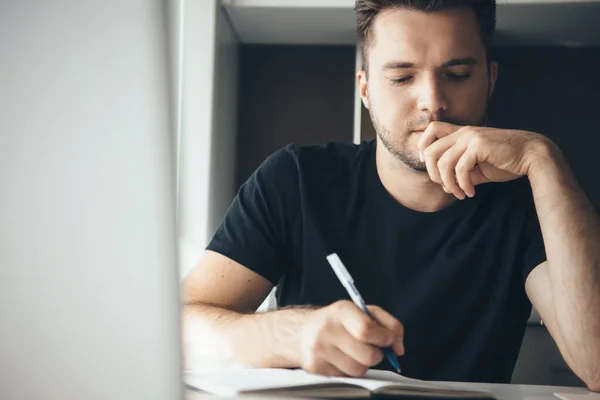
(493, 76)
(361, 81)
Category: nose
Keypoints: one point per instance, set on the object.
(431, 97)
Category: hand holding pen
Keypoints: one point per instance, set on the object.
(348, 282)
(342, 339)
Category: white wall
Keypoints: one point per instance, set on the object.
(208, 127)
(224, 135)
(88, 279)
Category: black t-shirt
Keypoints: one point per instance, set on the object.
(455, 278)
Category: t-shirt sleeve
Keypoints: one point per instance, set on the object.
(534, 252)
(256, 230)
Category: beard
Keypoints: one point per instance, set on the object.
(397, 145)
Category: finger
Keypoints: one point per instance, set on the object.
(432, 155)
(447, 168)
(366, 330)
(365, 354)
(393, 324)
(477, 177)
(323, 367)
(434, 131)
(464, 169)
(344, 363)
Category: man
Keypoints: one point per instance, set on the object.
(450, 229)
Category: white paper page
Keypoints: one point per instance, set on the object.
(235, 381)
(231, 382)
(376, 379)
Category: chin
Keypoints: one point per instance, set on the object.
(410, 159)
(417, 166)
(405, 150)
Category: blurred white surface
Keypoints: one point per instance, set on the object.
(88, 279)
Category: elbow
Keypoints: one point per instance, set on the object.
(593, 385)
(592, 377)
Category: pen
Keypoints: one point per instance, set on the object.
(346, 279)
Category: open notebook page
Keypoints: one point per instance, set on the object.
(231, 382)
(375, 379)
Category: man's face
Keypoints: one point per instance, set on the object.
(424, 67)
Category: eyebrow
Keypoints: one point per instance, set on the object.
(452, 63)
(460, 61)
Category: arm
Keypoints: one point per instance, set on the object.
(248, 253)
(566, 289)
(221, 329)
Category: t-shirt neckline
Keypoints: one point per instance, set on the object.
(388, 201)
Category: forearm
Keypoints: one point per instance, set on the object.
(571, 232)
(216, 337)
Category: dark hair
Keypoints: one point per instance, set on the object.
(367, 10)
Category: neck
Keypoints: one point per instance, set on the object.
(412, 189)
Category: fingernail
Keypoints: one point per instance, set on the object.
(421, 155)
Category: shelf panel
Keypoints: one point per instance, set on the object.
(520, 22)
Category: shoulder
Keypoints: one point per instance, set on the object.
(329, 158)
(296, 167)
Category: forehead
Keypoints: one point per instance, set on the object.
(416, 36)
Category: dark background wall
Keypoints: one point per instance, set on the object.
(300, 94)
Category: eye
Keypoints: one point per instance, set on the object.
(459, 77)
(398, 81)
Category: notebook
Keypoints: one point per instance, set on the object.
(296, 382)
(578, 396)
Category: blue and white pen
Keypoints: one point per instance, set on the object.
(346, 279)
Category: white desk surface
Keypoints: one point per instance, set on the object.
(500, 392)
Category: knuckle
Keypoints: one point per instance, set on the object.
(320, 328)
(375, 309)
(358, 370)
(435, 124)
(330, 371)
(476, 141)
(375, 356)
(390, 340)
(363, 330)
(315, 347)
(396, 326)
(312, 349)
(312, 366)
(341, 305)
(442, 163)
(428, 152)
